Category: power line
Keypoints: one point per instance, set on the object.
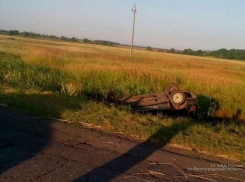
(132, 43)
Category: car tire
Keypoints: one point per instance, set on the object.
(178, 99)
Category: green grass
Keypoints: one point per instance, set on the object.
(16, 73)
(215, 138)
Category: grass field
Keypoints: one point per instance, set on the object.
(72, 81)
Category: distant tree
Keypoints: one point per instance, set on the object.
(199, 52)
(160, 50)
(26, 34)
(115, 43)
(74, 39)
(4, 32)
(103, 42)
(172, 50)
(188, 51)
(63, 38)
(148, 48)
(51, 37)
(31, 34)
(85, 40)
(13, 32)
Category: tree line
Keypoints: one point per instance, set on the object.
(99, 42)
(53, 37)
(237, 54)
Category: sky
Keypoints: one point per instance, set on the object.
(179, 24)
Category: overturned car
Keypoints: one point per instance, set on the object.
(171, 99)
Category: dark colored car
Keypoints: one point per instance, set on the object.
(171, 99)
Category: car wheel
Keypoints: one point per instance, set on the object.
(178, 99)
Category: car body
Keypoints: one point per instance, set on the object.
(171, 99)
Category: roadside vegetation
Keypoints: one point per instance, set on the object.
(72, 82)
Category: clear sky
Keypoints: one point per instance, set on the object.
(179, 24)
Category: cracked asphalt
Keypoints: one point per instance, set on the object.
(36, 149)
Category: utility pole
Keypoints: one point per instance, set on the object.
(132, 43)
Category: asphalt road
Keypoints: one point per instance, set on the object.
(36, 149)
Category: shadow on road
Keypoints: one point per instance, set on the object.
(18, 144)
(141, 152)
(24, 137)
